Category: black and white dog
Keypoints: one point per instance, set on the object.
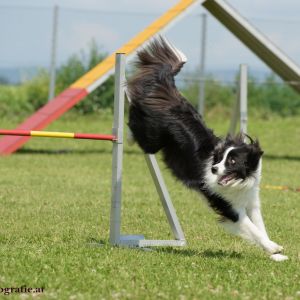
(226, 171)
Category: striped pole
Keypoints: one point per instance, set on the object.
(280, 188)
(52, 134)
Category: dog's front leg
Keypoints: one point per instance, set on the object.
(247, 230)
(254, 213)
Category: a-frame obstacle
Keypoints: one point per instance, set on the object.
(116, 238)
(84, 85)
(259, 44)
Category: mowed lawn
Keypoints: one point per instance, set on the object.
(55, 202)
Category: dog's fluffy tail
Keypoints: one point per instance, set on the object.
(153, 93)
(157, 64)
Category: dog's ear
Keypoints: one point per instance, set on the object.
(251, 141)
(229, 139)
(234, 139)
(254, 145)
(254, 154)
(257, 147)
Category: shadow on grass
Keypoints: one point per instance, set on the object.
(71, 151)
(127, 151)
(175, 251)
(221, 254)
(205, 253)
(281, 157)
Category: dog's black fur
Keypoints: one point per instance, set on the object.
(162, 119)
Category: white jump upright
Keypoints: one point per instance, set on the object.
(116, 238)
(240, 112)
(243, 92)
(117, 156)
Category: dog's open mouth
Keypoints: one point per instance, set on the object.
(223, 180)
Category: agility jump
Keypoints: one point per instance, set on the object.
(253, 39)
(116, 238)
(65, 135)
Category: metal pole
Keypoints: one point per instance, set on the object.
(117, 156)
(240, 107)
(235, 115)
(243, 97)
(53, 54)
(164, 197)
(201, 100)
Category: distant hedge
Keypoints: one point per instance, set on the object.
(31, 95)
(271, 96)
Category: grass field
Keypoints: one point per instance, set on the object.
(55, 201)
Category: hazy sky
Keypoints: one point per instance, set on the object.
(25, 29)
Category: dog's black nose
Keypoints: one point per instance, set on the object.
(214, 170)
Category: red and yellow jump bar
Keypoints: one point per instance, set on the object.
(52, 134)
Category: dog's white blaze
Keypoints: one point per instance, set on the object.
(221, 165)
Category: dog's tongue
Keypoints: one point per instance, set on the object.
(224, 179)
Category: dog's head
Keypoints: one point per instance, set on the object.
(235, 161)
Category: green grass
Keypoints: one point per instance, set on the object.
(55, 200)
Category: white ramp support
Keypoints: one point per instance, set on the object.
(116, 238)
(201, 100)
(240, 108)
(277, 60)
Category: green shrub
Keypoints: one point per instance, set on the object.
(33, 94)
(13, 101)
(274, 96)
(37, 90)
(216, 94)
(270, 96)
(77, 66)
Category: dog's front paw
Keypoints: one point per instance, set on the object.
(273, 248)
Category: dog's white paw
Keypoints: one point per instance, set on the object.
(279, 257)
(273, 248)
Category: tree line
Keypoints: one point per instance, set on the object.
(270, 96)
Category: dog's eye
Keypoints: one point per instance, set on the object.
(232, 161)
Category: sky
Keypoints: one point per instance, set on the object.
(26, 26)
